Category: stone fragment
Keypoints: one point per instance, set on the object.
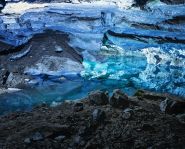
(27, 140)
(98, 116)
(37, 136)
(78, 107)
(172, 106)
(181, 118)
(98, 98)
(60, 138)
(127, 113)
(142, 94)
(119, 99)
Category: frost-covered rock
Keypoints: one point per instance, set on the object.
(54, 66)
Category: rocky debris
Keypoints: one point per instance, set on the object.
(98, 116)
(98, 98)
(60, 138)
(3, 76)
(27, 141)
(78, 107)
(96, 126)
(181, 118)
(172, 106)
(37, 136)
(37, 57)
(119, 99)
(127, 113)
(16, 80)
(150, 96)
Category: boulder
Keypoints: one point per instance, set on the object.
(172, 106)
(98, 98)
(119, 99)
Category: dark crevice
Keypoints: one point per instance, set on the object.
(12, 50)
(160, 40)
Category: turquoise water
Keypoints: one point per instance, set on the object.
(53, 93)
(128, 73)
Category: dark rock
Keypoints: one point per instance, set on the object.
(172, 106)
(142, 94)
(2, 4)
(27, 140)
(147, 127)
(84, 131)
(127, 113)
(181, 118)
(78, 107)
(78, 141)
(3, 76)
(92, 145)
(139, 93)
(60, 138)
(20, 54)
(37, 136)
(119, 99)
(98, 116)
(98, 98)
(173, 2)
(140, 3)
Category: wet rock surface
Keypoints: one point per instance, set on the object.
(138, 126)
